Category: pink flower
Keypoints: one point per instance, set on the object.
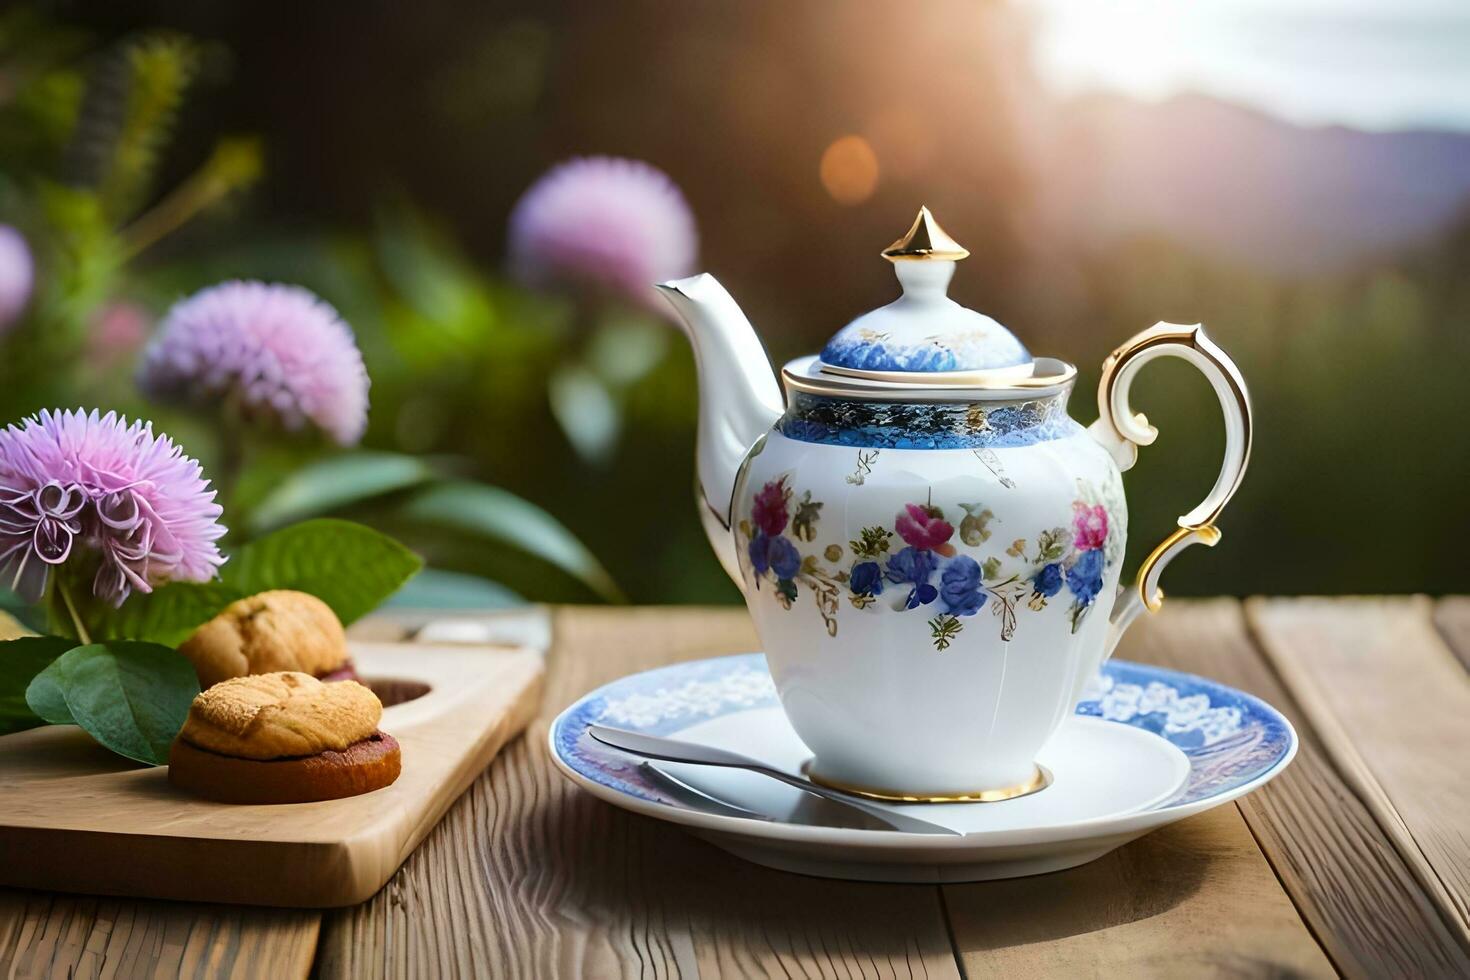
(135, 504)
(278, 352)
(925, 528)
(1091, 524)
(118, 330)
(769, 510)
(17, 275)
(606, 224)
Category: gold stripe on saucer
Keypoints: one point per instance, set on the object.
(1039, 781)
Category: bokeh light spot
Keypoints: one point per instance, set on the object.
(849, 170)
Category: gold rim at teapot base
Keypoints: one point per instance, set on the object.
(1039, 781)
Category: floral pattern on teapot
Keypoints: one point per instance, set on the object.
(916, 565)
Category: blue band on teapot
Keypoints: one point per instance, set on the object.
(910, 425)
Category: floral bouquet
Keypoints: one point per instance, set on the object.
(114, 532)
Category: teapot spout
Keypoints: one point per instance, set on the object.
(739, 399)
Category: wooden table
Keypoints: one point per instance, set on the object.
(1356, 860)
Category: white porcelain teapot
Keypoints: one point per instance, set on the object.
(930, 546)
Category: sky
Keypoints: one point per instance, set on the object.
(1368, 64)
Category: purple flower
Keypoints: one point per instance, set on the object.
(603, 223)
(1084, 578)
(130, 499)
(1048, 581)
(776, 554)
(959, 587)
(866, 579)
(785, 560)
(277, 352)
(759, 547)
(914, 566)
(17, 275)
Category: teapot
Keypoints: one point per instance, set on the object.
(930, 546)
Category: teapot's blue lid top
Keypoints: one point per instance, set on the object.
(924, 331)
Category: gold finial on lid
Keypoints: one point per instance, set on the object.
(925, 240)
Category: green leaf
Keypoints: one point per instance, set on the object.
(350, 567)
(586, 411)
(20, 661)
(504, 518)
(131, 697)
(337, 482)
(624, 348)
(167, 615)
(137, 111)
(435, 588)
(43, 696)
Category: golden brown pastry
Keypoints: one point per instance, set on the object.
(283, 737)
(267, 716)
(277, 630)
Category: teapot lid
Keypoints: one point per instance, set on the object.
(924, 332)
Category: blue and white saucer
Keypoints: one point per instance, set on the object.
(1147, 747)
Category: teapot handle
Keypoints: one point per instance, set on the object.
(1121, 431)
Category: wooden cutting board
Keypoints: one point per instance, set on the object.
(74, 817)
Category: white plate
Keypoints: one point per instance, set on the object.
(1149, 746)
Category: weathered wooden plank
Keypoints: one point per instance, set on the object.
(529, 877)
(43, 935)
(1361, 899)
(1196, 898)
(1452, 616)
(1392, 708)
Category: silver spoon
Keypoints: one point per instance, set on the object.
(673, 750)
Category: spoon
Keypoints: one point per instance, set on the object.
(673, 750)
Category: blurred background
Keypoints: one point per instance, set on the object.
(1295, 174)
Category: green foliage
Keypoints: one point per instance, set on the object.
(350, 567)
(131, 697)
(1053, 544)
(501, 517)
(434, 588)
(129, 116)
(337, 482)
(872, 542)
(42, 691)
(167, 615)
(83, 132)
(21, 660)
(944, 628)
(124, 682)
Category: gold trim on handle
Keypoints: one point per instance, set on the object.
(1133, 429)
(1206, 534)
(1152, 337)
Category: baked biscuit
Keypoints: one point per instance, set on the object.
(283, 737)
(271, 631)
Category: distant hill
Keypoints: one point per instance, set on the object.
(1243, 184)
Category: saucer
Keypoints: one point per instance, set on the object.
(1147, 747)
